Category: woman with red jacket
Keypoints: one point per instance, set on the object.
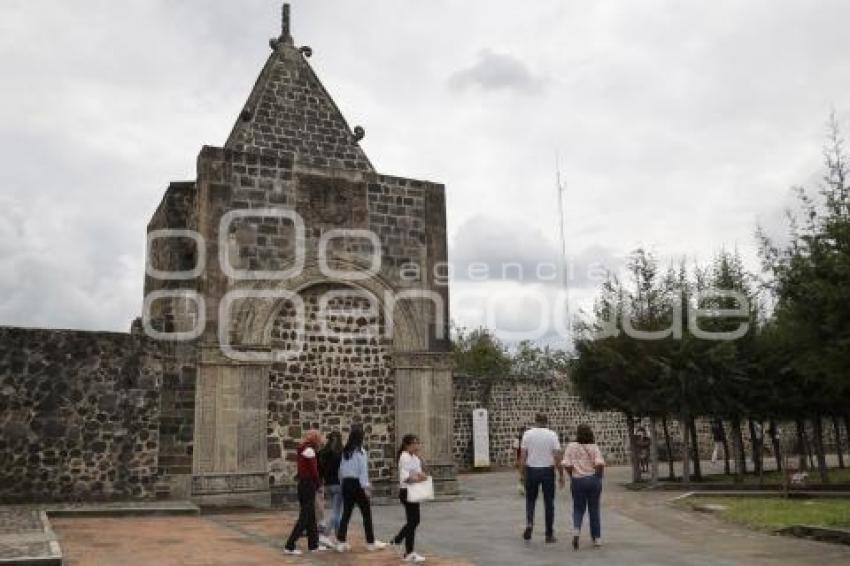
(308, 484)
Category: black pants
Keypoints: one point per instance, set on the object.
(408, 531)
(534, 479)
(306, 516)
(353, 494)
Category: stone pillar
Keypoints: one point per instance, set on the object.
(230, 456)
(424, 408)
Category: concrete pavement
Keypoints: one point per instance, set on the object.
(639, 528)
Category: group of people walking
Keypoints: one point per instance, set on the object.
(541, 457)
(341, 473)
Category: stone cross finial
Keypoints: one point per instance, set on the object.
(286, 26)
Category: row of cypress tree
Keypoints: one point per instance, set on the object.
(650, 347)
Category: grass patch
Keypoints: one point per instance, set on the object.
(836, 476)
(773, 513)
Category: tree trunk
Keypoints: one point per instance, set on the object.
(838, 446)
(633, 449)
(802, 464)
(686, 456)
(808, 444)
(738, 448)
(755, 447)
(726, 468)
(671, 472)
(692, 426)
(821, 453)
(847, 430)
(653, 451)
(777, 448)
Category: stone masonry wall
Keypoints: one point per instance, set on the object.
(177, 211)
(333, 382)
(79, 415)
(512, 404)
(787, 437)
(178, 363)
(396, 215)
(290, 112)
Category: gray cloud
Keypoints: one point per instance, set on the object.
(679, 124)
(495, 72)
(489, 249)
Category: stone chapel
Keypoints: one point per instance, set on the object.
(288, 286)
(317, 278)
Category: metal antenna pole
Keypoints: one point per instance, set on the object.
(564, 263)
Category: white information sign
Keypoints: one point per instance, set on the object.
(480, 439)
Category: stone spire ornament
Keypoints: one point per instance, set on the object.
(285, 37)
(286, 26)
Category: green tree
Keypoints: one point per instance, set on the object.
(479, 353)
(810, 279)
(530, 361)
(622, 369)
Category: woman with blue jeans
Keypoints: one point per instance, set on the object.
(585, 465)
(329, 457)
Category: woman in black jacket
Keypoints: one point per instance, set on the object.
(329, 457)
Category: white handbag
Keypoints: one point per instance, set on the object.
(420, 491)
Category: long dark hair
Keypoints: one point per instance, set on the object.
(334, 442)
(354, 442)
(405, 442)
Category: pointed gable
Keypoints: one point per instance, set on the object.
(290, 112)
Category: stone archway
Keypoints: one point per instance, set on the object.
(253, 324)
(341, 374)
(251, 413)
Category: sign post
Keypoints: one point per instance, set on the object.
(480, 439)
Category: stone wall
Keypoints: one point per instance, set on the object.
(787, 436)
(396, 215)
(178, 363)
(290, 112)
(79, 415)
(176, 211)
(335, 381)
(512, 404)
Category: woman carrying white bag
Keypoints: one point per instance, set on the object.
(412, 481)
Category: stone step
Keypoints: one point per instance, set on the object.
(124, 509)
(26, 537)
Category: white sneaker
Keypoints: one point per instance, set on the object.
(293, 552)
(319, 549)
(415, 558)
(597, 543)
(377, 545)
(342, 547)
(325, 541)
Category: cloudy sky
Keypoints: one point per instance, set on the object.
(679, 126)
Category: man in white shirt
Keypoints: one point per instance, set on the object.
(541, 454)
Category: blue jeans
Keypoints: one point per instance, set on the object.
(335, 494)
(534, 479)
(586, 494)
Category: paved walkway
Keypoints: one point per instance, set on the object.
(25, 533)
(249, 539)
(638, 528)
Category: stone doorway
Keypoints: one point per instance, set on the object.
(229, 464)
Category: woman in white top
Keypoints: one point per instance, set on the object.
(409, 471)
(584, 463)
